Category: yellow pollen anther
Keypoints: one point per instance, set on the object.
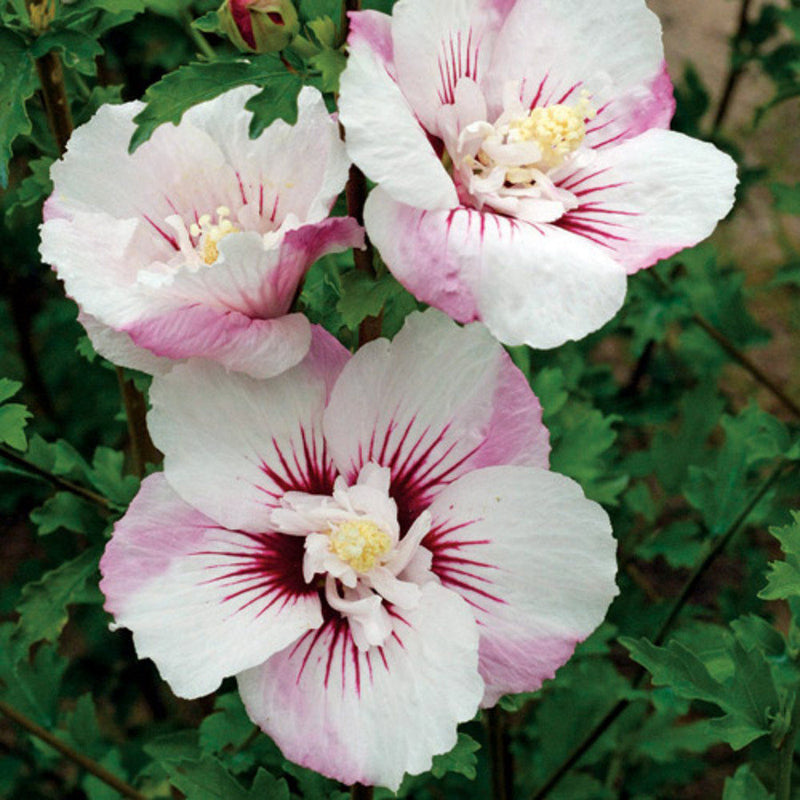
(558, 129)
(361, 544)
(212, 233)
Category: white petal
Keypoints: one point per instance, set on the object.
(438, 44)
(652, 195)
(437, 401)
(233, 446)
(530, 284)
(369, 717)
(556, 48)
(536, 561)
(383, 136)
(202, 602)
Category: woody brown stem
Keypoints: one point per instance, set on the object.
(142, 449)
(56, 102)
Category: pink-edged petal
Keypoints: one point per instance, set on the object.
(382, 134)
(370, 716)
(652, 196)
(480, 412)
(261, 348)
(438, 44)
(556, 48)
(536, 562)
(650, 105)
(233, 445)
(119, 349)
(530, 284)
(202, 602)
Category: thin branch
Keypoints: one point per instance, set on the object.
(500, 759)
(700, 570)
(197, 37)
(143, 451)
(57, 480)
(56, 102)
(99, 771)
(783, 789)
(737, 355)
(737, 68)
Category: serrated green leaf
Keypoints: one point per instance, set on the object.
(783, 579)
(67, 511)
(78, 50)
(744, 785)
(679, 543)
(8, 389)
(178, 747)
(208, 779)
(330, 63)
(208, 23)
(32, 686)
(460, 759)
(13, 419)
(187, 86)
(43, 606)
(324, 30)
(363, 296)
(277, 100)
(108, 478)
(748, 698)
(227, 726)
(18, 82)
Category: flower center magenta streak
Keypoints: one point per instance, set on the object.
(352, 540)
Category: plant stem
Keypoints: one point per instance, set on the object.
(57, 480)
(500, 760)
(737, 67)
(143, 451)
(197, 37)
(783, 789)
(730, 348)
(613, 713)
(737, 355)
(99, 771)
(359, 792)
(56, 102)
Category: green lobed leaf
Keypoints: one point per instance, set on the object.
(78, 50)
(783, 579)
(43, 605)
(744, 785)
(277, 100)
(330, 63)
(748, 698)
(207, 779)
(13, 416)
(460, 759)
(67, 511)
(18, 82)
(195, 83)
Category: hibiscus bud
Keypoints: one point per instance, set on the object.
(259, 26)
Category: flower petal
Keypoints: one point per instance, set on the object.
(261, 348)
(530, 284)
(298, 169)
(203, 602)
(481, 413)
(382, 134)
(536, 561)
(651, 196)
(233, 446)
(370, 716)
(610, 48)
(438, 44)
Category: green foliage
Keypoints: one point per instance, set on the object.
(13, 416)
(460, 759)
(738, 680)
(171, 97)
(744, 785)
(18, 82)
(43, 604)
(783, 580)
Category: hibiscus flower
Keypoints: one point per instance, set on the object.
(372, 544)
(195, 244)
(522, 157)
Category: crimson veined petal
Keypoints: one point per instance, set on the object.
(233, 446)
(199, 217)
(202, 601)
(433, 404)
(371, 716)
(534, 559)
